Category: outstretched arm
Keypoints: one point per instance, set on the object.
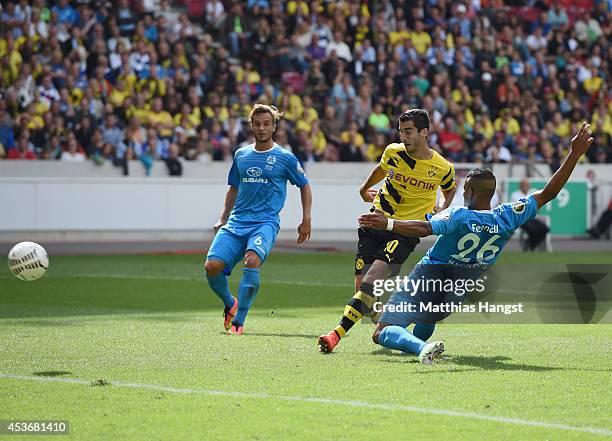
(579, 145)
(376, 175)
(305, 227)
(230, 199)
(378, 221)
(448, 196)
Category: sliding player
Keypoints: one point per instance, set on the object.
(413, 174)
(471, 239)
(249, 223)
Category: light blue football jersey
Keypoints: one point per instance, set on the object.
(261, 179)
(470, 237)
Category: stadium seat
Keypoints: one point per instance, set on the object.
(295, 79)
(195, 8)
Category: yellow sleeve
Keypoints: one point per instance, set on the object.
(448, 180)
(386, 158)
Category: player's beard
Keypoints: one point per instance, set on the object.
(410, 147)
(262, 139)
(414, 146)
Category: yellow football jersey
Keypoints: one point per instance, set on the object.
(410, 188)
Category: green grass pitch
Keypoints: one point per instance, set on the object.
(151, 329)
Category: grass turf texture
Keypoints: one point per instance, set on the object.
(153, 320)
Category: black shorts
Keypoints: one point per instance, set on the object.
(392, 248)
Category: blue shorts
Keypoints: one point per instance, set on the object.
(230, 243)
(404, 308)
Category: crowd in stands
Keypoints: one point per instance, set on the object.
(503, 81)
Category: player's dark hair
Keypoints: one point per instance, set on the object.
(484, 173)
(483, 180)
(419, 117)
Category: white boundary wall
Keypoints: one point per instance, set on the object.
(88, 202)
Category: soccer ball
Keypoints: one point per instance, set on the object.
(28, 261)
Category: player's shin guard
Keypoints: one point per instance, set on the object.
(220, 286)
(249, 285)
(396, 337)
(356, 308)
(423, 330)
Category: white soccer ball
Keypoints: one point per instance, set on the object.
(28, 261)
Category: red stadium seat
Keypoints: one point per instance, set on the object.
(195, 8)
(295, 79)
(527, 13)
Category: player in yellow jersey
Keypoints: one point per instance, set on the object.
(412, 173)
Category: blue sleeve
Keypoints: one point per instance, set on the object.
(445, 221)
(521, 211)
(233, 178)
(295, 173)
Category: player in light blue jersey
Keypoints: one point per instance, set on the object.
(470, 240)
(249, 223)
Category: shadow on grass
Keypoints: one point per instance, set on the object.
(495, 363)
(499, 363)
(411, 359)
(390, 352)
(51, 373)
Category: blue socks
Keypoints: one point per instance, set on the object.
(220, 286)
(249, 285)
(396, 337)
(423, 330)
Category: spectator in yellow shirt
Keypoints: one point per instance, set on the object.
(162, 118)
(353, 136)
(562, 125)
(10, 62)
(421, 40)
(317, 138)
(292, 7)
(484, 126)
(506, 123)
(118, 94)
(594, 82)
(309, 113)
(290, 103)
(376, 149)
(602, 119)
(187, 118)
(398, 37)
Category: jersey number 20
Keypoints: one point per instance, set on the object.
(464, 249)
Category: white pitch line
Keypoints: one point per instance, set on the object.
(347, 403)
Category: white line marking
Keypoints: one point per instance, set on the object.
(362, 404)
